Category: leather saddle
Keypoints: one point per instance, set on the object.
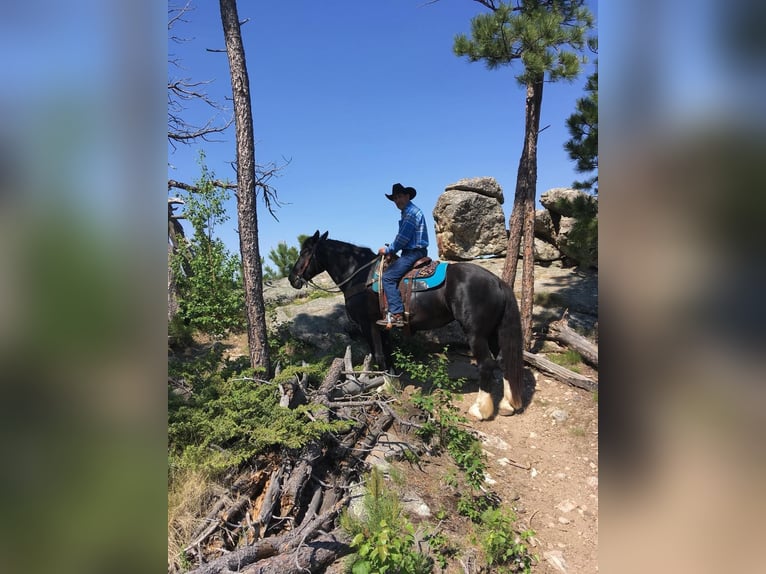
(425, 274)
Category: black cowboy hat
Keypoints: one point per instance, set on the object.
(399, 188)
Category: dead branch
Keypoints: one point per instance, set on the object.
(559, 372)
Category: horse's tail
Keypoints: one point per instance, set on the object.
(512, 347)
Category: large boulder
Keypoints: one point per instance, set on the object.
(469, 225)
(482, 185)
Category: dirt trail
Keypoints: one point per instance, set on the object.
(555, 440)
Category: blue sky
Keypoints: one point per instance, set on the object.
(358, 96)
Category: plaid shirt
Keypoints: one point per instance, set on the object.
(413, 233)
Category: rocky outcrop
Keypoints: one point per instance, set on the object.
(562, 201)
(557, 223)
(470, 222)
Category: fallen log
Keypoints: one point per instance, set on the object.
(268, 547)
(312, 556)
(561, 332)
(560, 373)
(269, 501)
(299, 477)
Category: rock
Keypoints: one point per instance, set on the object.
(545, 252)
(413, 504)
(560, 200)
(544, 228)
(469, 226)
(492, 441)
(571, 250)
(556, 222)
(559, 415)
(556, 559)
(322, 323)
(483, 185)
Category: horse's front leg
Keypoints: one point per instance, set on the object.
(377, 347)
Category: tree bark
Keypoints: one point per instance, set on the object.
(561, 332)
(312, 556)
(522, 220)
(247, 216)
(528, 272)
(560, 373)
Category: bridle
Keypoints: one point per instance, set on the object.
(305, 266)
(338, 285)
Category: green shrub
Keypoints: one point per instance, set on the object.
(504, 549)
(180, 334)
(208, 277)
(384, 540)
(232, 417)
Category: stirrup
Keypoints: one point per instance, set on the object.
(389, 322)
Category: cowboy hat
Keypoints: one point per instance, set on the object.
(399, 188)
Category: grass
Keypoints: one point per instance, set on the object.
(189, 492)
(569, 359)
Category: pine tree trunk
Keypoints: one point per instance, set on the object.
(252, 272)
(528, 272)
(522, 220)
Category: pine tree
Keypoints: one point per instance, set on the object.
(583, 127)
(283, 257)
(547, 38)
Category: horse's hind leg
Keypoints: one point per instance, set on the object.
(483, 408)
(506, 403)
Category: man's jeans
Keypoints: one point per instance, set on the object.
(395, 272)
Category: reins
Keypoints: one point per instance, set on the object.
(346, 280)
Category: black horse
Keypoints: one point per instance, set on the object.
(481, 302)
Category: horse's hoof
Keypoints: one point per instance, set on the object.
(506, 409)
(475, 412)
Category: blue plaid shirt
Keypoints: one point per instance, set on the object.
(413, 233)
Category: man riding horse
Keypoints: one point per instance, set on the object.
(412, 240)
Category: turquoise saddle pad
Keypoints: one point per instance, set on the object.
(421, 283)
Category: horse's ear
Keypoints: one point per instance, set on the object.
(316, 235)
(324, 236)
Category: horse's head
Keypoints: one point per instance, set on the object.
(307, 265)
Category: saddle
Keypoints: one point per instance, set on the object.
(425, 274)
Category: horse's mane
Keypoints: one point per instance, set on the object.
(341, 248)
